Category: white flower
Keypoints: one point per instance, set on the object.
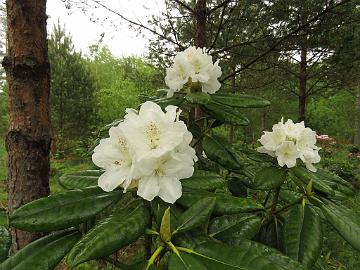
(153, 131)
(193, 65)
(289, 141)
(113, 155)
(287, 153)
(149, 150)
(163, 174)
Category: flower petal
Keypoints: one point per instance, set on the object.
(170, 189)
(110, 180)
(148, 187)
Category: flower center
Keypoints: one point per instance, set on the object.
(122, 143)
(153, 134)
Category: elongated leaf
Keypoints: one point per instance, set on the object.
(196, 215)
(198, 98)
(5, 243)
(80, 180)
(187, 261)
(215, 150)
(247, 255)
(226, 114)
(62, 210)
(142, 266)
(269, 178)
(346, 222)
(118, 230)
(165, 227)
(164, 102)
(306, 176)
(225, 204)
(42, 254)
(234, 228)
(303, 235)
(158, 208)
(204, 180)
(335, 182)
(238, 100)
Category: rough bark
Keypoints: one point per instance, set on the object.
(357, 117)
(28, 138)
(302, 83)
(200, 15)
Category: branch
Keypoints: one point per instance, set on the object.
(138, 24)
(276, 44)
(184, 6)
(219, 6)
(219, 27)
(235, 45)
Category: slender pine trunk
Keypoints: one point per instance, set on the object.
(28, 138)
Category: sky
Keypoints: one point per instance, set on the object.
(121, 40)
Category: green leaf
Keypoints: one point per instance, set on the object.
(165, 227)
(5, 243)
(269, 178)
(247, 255)
(187, 261)
(215, 151)
(204, 180)
(62, 210)
(196, 215)
(303, 235)
(163, 102)
(238, 100)
(226, 114)
(306, 176)
(335, 182)
(123, 227)
(234, 228)
(80, 180)
(142, 266)
(158, 208)
(225, 203)
(345, 221)
(42, 254)
(198, 98)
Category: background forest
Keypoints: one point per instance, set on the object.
(311, 74)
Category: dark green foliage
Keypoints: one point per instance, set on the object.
(72, 99)
(63, 210)
(5, 242)
(303, 235)
(121, 228)
(42, 254)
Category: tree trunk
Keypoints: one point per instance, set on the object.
(302, 83)
(357, 117)
(28, 138)
(200, 14)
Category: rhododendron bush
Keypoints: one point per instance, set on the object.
(192, 199)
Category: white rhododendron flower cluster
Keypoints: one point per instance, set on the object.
(149, 150)
(289, 141)
(193, 65)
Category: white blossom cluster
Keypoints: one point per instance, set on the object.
(289, 141)
(193, 65)
(148, 150)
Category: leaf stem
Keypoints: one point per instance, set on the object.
(154, 256)
(148, 238)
